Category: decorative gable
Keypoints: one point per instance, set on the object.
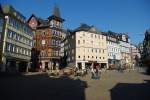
(33, 22)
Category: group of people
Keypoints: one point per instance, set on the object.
(94, 70)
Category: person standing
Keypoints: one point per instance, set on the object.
(93, 73)
(97, 72)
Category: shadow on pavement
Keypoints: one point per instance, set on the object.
(145, 73)
(41, 87)
(129, 91)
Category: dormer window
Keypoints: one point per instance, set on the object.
(123, 37)
(57, 23)
(52, 23)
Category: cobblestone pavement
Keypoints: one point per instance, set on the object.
(113, 85)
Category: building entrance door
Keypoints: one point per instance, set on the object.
(79, 66)
(46, 65)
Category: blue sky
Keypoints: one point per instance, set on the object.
(132, 16)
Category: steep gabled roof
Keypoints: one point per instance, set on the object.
(31, 17)
(112, 34)
(85, 27)
(9, 10)
(41, 22)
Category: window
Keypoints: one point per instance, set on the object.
(84, 57)
(42, 53)
(31, 43)
(24, 51)
(95, 35)
(56, 42)
(83, 41)
(20, 50)
(92, 50)
(72, 51)
(57, 33)
(92, 57)
(52, 23)
(57, 24)
(57, 53)
(99, 57)
(43, 42)
(13, 49)
(53, 32)
(18, 37)
(25, 40)
(72, 58)
(91, 35)
(99, 51)
(83, 34)
(103, 51)
(78, 56)
(72, 36)
(68, 59)
(17, 49)
(10, 33)
(103, 57)
(14, 35)
(92, 42)
(88, 56)
(96, 50)
(8, 47)
(44, 33)
(78, 41)
(27, 53)
(96, 57)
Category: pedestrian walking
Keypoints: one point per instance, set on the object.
(97, 74)
(40, 68)
(92, 73)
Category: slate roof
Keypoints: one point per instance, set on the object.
(112, 34)
(45, 23)
(85, 27)
(41, 22)
(8, 9)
